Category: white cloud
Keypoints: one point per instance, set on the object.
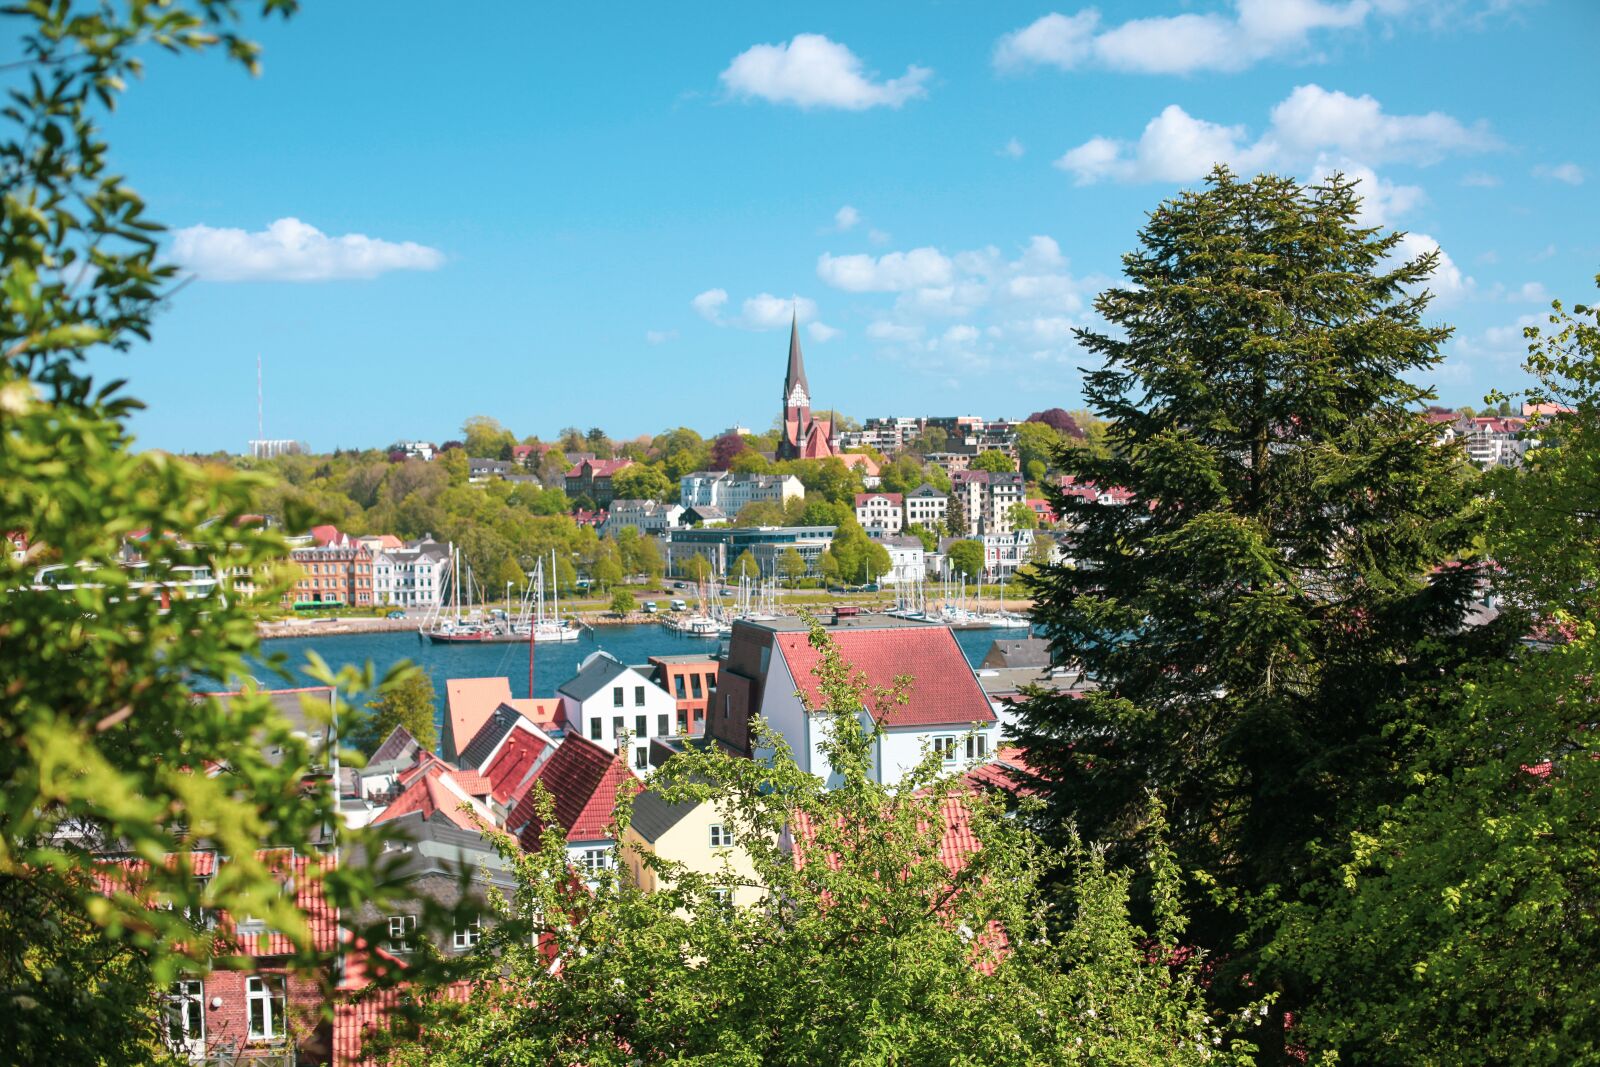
(960, 334)
(1013, 149)
(884, 330)
(846, 217)
(891, 272)
(708, 305)
(1180, 44)
(878, 237)
(293, 251)
(657, 337)
(1309, 124)
(813, 71)
(1382, 201)
(767, 312)
(1570, 173)
(821, 332)
(1447, 282)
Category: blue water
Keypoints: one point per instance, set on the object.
(553, 663)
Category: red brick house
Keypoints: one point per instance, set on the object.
(333, 575)
(592, 478)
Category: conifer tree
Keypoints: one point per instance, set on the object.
(1255, 612)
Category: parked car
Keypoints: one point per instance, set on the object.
(679, 605)
(649, 607)
(396, 615)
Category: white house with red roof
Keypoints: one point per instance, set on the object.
(770, 663)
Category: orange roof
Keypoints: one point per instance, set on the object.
(543, 712)
(856, 459)
(468, 704)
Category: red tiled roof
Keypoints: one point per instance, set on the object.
(582, 778)
(514, 762)
(472, 782)
(855, 459)
(359, 1012)
(1008, 772)
(326, 535)
(599, 468)
(435, 791)
(944, 691)
(543, 712)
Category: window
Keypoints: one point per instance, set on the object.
(977, 746)
(264, 997)
(186, 1017)
(694, 685)
(466, 936)
(683, 722)
(945, 746)
(641, 726)
(595, 860)
(677, 687)
(638, 696)
(662, 729)
(641, 759)
(616, 696)
(616, 726)
(594, 729)
(721, 836)
(402, 932)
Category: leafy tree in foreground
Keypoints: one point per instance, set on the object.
(102, 739)
(1465, 925)
(407, 699)
(1258, 614)
(868, 947)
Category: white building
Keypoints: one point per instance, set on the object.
(730, 491)
(616, 706)
(646, 516)
(412, 576)
(908, 562)
(927, 507)
(881, 512)
(986, 499)
(945, 711)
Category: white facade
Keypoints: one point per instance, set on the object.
(882, 512)
(986, 500)
(907, 561)
(615, 706)
(410, 577)
(730, 492)
(926, 507)
(1004, 553)
(646, 516)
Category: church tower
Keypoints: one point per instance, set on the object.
(796, 400)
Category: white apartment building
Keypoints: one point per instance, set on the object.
(730, 491)
(410, 577)
(986, 499)
(926, 507)
(908, 562)
(881, 513)
(646, 516)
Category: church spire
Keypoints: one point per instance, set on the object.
(797, 365)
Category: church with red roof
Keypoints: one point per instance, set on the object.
(804, 437)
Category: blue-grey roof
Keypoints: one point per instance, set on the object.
(597, 672)
(483, 743)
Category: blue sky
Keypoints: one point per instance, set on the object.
(597, 214)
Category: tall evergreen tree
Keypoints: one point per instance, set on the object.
(1254, 613)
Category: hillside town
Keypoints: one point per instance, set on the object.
(496, 573)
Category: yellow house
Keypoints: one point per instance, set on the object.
(695, 834)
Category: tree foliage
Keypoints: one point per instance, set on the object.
(997, 462)
(1257, 612)
(1464, 919)
(966, 559)
(870, 945)
(406, 699)
(103, 738)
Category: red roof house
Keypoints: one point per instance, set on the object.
(583, 781)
